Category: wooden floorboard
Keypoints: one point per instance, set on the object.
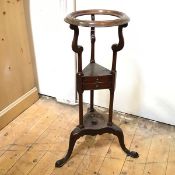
(38, 137)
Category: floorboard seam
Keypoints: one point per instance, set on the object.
(31, 146)
(129, 147)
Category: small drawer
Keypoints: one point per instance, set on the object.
(95, 79)
(97, 85)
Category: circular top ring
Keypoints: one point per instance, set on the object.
(122, 18)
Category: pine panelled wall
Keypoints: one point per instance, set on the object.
(17, 74)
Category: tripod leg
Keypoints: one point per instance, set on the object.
(119, 133)
(73, 138)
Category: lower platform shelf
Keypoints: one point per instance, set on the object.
(94, 124)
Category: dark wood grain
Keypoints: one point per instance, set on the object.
(92, 41)
(92, 61)
(117, 47)
(95, 123)
(78, 49)
(95, 77)
(121, 18)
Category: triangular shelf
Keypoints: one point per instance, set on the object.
(94, 69)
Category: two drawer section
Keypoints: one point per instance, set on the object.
(97, 82)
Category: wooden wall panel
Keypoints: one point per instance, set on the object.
(16, 61)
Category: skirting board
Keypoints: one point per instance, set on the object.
(14, 109)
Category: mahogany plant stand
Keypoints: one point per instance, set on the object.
(94, 77)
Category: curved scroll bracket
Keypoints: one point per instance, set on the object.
(120, 45)
(76, 48)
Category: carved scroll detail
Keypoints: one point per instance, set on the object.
(119, 46)
(76, 48)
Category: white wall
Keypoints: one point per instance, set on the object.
(52, 41)
(145, 84)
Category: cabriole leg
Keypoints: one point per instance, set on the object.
(119, 133)
(73, 138)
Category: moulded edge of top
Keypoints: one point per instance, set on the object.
(122, 18)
